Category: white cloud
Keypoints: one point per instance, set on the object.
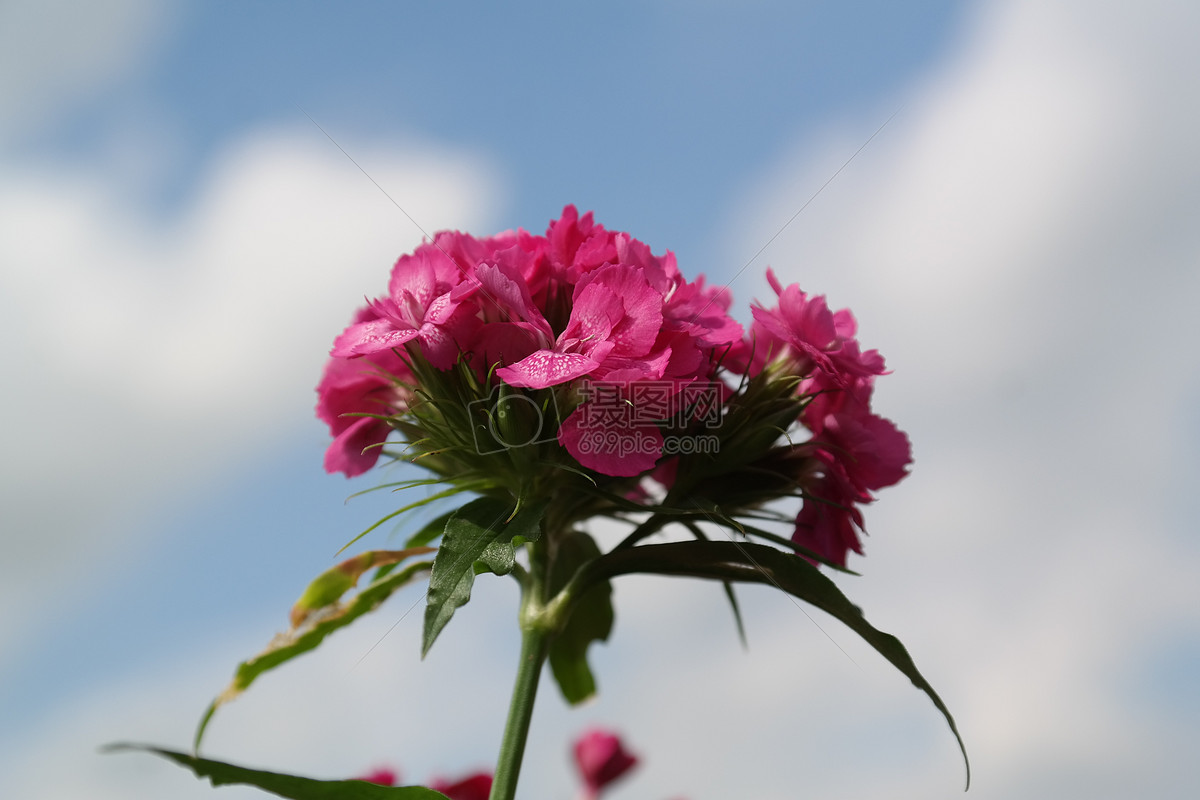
(1020, 244)
(136, 346)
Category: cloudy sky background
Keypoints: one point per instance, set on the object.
(179, 243)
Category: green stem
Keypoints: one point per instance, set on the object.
(534, 645)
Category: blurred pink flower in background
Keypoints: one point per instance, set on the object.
(601, 758)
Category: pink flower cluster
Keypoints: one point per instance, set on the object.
(600, 759)
(857, 450)
(587, 313)
(580, 303)
(476, 786)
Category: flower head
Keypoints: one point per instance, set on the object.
(581, 360)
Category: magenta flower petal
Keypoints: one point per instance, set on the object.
(828, 522)
(577, 245)
(613, 449)
(353, 387)
(384, 776)
(601, 758)
(504, 285)
(502, 344)
(546, 368)
(415, 276)
(473, 787)
(368, 338)
(871, 449)
(355, 450)
(633, 308)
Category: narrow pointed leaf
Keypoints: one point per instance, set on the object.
(331, 584)
(293, 787)
(729, 592)
(453, 490)
(286, 646)
(737, 614)
(714, 514)
(757, 563)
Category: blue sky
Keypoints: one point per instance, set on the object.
(179, 244)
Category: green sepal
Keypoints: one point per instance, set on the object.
(481, 531)
(453, 490)
(757, 563)
(294, 787)
(296, 642)
(432, 530)
(591, 618)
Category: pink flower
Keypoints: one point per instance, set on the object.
(860, 452)
(611, 449)
(873, 452)
(615, 318)
(601, 759)
(516, 327)
(351, 387)
(816, 336)
(384, 776)
(420, 306)
(829, 521)
(577, 245)
(473, 787)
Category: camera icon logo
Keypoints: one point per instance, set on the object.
(509, 418)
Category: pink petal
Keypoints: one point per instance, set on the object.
(473, 787)
(601, 758)
(636, 324)
(828, 522)
(871, 449)
(616, 450)
(384, 776)
(349, 454)
(546, 368)
(414, 274)
(365, 338)
(503, 343)
(504, 285)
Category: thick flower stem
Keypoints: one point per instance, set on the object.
(534, 646)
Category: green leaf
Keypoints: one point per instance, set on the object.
(737, 614)
(757, 563)
(482, 530)
(291, 786)
(300, 640)
(713, 513)
(750, 530)
(498, 557)
(591, 618)
(330, 585)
